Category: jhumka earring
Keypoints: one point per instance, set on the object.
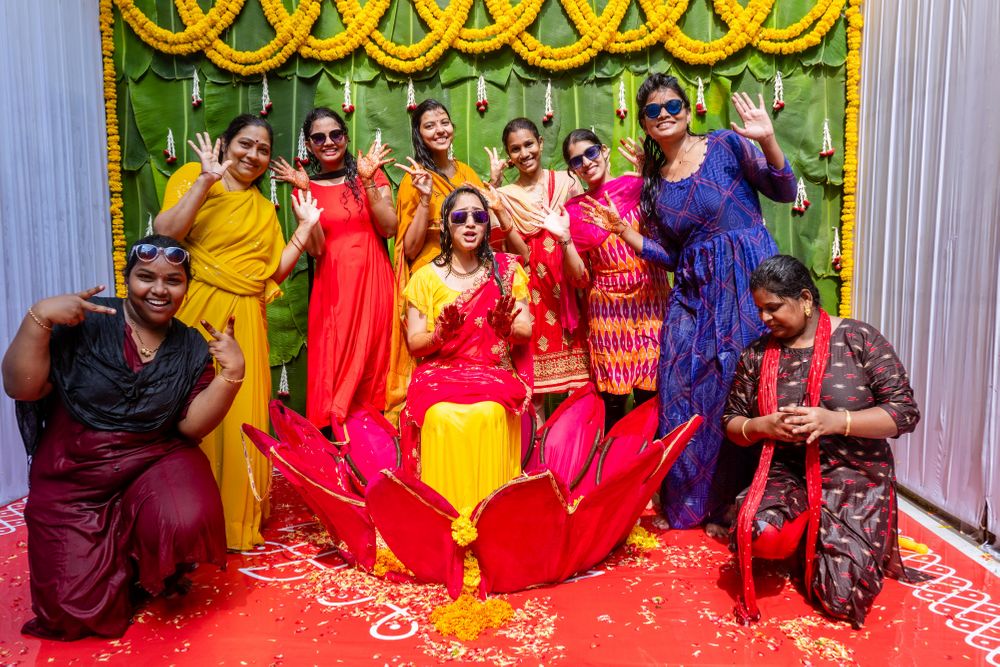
(808, 310)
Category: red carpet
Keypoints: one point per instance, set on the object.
(293, 603)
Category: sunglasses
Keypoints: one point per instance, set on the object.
(673, 108)
(336, 136)
(147, 252)
(592, 153)
(480, 217)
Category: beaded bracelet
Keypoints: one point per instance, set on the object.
(38, 321)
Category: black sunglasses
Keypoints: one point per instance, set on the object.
(592, 153)
(147, 252)
(480, 217)
(673, 108)
(336, 136)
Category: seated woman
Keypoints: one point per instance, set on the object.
(823, 393)
(468, 324)
(120, 394)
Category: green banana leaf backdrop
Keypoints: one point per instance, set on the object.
(154, 96)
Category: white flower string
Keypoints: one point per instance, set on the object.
(378, 139)
(411, 96)
(195, 90)
(170, 152)
(274, 193)
(801, 200)
(149, 225)
(835, 252)
(549, 112)
(622, 109)
(699, 100)
(779, 92)
(265, 98)
(827, 149)
(348, 105)
(482, 103)
(301, 154)
(283, 383)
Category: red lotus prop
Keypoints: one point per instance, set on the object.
(578, 499)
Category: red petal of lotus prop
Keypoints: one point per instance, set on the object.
(578, 500)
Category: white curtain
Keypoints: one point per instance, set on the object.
(928, 235)
(53, 180)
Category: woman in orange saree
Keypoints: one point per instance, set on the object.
(468, 324)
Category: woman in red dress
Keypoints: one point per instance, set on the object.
(351, 304)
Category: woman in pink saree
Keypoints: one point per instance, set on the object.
(468, 324)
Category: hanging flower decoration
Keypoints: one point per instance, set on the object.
(274, 193)
(196, 100)
(835, 252)
(779, 92)
(827, 149)
(107, 25)
(801, 201)
(622, 110)
(378, 139)
(265, 97)
(549, 113)
(411, 96)
(149, 225)
(347, 105)
(170, 152)
(699, 100)
(848, 209)
(283, 391)
(482, 103)
(301, 154)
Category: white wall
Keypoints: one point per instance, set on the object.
(929, 234)
(54, 222)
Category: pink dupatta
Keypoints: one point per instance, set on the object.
(624, 191)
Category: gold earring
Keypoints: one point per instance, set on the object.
(808, 310)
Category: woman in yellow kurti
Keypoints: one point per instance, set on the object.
(431, 176)
(238, 257)
(468, 323)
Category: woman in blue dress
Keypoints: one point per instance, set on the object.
(704, 223)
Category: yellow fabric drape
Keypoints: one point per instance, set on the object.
(236, 245)
(407, 200)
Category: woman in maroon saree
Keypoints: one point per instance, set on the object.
(468, 324)
(823, 394)
(114, 395)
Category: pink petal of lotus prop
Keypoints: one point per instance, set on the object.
(579, 498)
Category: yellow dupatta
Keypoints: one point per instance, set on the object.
(407, 200)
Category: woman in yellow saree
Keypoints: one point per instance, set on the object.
(432, 175)
(238, 258)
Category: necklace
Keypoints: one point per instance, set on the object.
(143, 350)
(679, 159)
(462, 274)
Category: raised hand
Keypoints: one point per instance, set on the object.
(632, 151)
(756, 121)
(448, 323)
(69, 309)
(497, 165)
(283, 171)
(226, 350)
(375, 159)
(305, 209)
(554, 221)
(502, 317)
(421, 178)
(208, 154)
(605, 215)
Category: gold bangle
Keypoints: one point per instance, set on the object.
(230, 380)
(38, 321)
(847, 428)
(743, 430)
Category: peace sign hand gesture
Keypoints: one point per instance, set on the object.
(226, 350)
(421, 178)
(632, 151)
(756, 121)
(208, 154)
(497, 165)
(373, 161)
(69, 309)
(283, 171)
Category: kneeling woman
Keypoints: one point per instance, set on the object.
(468, 324)
(823, 394)
(119, 395)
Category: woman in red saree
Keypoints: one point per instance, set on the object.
(823, 394)
(468, 324)
(114, 395)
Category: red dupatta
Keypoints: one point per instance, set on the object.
(476, 365)
(767, 403)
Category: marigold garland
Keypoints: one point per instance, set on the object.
(848, 209)
(446, 30)
(462, 529)
(641, 539)
(107, 22)
(467, 617)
